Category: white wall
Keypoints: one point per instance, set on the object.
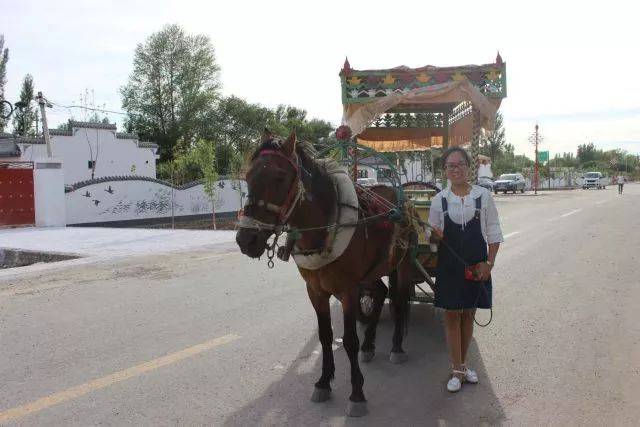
(562, 181)
(48, 193)
(139, 199)
(113, 156)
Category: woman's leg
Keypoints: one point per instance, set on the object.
(452, 322)
(466, 331)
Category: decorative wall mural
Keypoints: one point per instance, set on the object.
(136, 198)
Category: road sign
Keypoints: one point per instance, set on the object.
(543, 156)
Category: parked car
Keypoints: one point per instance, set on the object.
(486, 182)
(509, 182)
(367, 182)
(594, 180)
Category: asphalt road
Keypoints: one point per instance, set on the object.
(213, 338)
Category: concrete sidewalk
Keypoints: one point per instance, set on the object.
(103, 244)
(111, 241)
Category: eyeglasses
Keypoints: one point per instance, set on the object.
(454, 166)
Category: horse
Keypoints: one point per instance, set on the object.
(289, 187)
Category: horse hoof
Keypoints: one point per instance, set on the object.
(357, 409)
(367, 356)
(320, 395)
(398, 358)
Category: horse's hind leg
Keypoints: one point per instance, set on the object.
(378, 293)
(400, 303)
(357, 403)
(322, 391)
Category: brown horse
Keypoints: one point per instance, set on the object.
(288, 186)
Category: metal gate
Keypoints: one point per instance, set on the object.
(16, 194)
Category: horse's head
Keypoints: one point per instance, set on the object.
(274, 185)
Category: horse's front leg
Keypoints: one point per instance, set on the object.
(320, 301)
(357, 403)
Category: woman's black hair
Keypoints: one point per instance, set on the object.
(451, 150)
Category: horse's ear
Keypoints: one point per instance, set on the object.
(266, 135)
(289, 145)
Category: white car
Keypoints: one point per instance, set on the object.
(594, 180)
(367, 182)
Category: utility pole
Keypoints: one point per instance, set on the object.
(536, 139)
(45, 128)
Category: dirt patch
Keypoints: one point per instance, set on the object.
(10, 258)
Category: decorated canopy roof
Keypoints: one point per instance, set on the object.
(412, 109)
(362, 86)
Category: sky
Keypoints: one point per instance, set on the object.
(571, 66)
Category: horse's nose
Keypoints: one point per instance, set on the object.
(245, 239)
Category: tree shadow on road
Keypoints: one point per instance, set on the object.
(410, 394)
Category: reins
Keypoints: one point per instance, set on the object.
(294, 196)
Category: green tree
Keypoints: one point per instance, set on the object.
(587, 153)
(286, 118)
(4, 58)
(493, 144)
(204, 155)
(172, 88)
(24, 118)
(236, 126)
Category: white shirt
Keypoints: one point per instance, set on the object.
(462, 210)
(620, 179)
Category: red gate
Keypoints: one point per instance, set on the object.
(16, 194)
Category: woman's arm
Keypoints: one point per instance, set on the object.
(492, 221)
(494, 237)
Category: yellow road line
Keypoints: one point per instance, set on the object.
(116, 377)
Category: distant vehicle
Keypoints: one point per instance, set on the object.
(367, 182)
(594, 180)
(509, 182)
(486, 182)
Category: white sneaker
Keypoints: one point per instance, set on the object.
(454, 385)
(471, 376)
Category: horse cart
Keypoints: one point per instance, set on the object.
(345, 235)
(394, 119)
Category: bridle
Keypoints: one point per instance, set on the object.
(283, 212)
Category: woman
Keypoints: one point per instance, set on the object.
(465, 217)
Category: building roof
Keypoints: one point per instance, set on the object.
(9, 148)
(60, 132)
(77, 125)
(21, 139)
(127, 136)
(92, 125)
(147, 144)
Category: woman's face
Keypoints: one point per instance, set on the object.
(456, 168)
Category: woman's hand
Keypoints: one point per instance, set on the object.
(484, 271)
(437, 233)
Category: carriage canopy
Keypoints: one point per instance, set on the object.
(415, 109)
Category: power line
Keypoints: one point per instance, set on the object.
(102, 110)
(84, 107)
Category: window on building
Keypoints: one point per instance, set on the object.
(363, 173)
(92, 164)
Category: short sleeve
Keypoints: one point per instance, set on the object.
(492, 221)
